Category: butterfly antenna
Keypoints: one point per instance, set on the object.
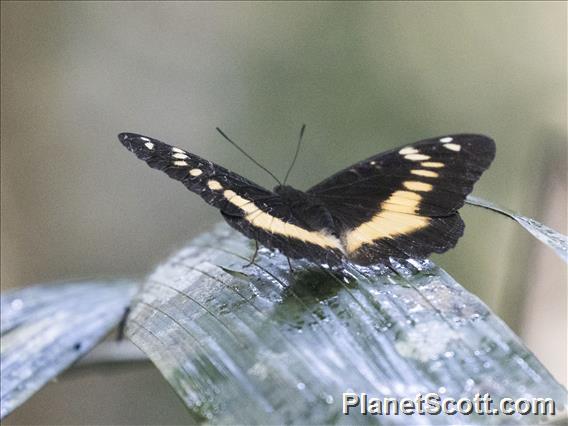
(302, 130)
(247, 155)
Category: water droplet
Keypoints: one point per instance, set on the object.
(301, 386)
(329, 399)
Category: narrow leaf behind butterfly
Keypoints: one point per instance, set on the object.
(553, 239)
(46, 328)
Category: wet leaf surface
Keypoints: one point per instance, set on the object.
(262, 344)
(46, 328)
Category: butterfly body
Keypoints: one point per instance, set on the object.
(402, 203)
(308, 210)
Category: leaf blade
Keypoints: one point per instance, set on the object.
(45, 328)
(251, 345)
(553, 239)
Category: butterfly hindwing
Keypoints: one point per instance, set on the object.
(404, 202)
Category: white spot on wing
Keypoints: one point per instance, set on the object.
(446, 139)
(149, 145)
(417, 157)
(195, 172)
(433, 164)
(180, 163)
(426, 173)
(408, 150)
(180, 156)
(145, 139)
(453, 147)
(417, 186)
(214, 185)
(174, 149)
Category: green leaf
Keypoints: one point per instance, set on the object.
(259, 344)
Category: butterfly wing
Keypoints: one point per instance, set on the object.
(215, 184)
(403, 203)
(258, 213)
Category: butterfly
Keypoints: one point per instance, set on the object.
(399, 204)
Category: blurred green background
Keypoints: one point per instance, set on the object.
(364, 77)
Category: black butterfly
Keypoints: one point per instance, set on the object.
(402, 203)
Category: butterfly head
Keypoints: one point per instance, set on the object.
(292, 196)
(286, 191)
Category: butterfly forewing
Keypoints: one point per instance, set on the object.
(228, 191)
(404, 202)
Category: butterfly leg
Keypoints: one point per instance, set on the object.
(122, 325)
(290, 266)
(253, 255)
